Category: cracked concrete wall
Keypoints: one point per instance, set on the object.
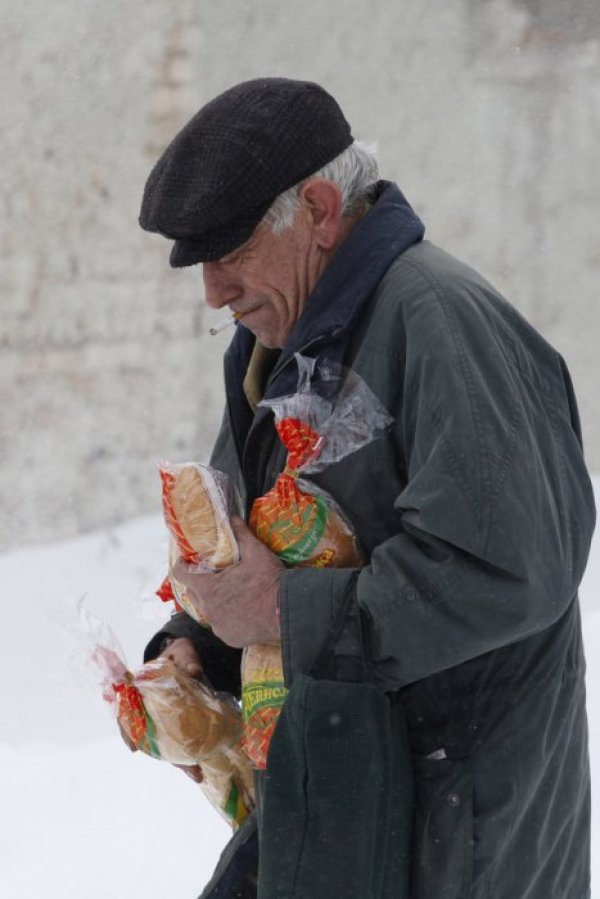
(487, 112)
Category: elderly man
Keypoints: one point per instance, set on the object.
(475, 510)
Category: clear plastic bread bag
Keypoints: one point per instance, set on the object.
(198, 502)
(169, 715)
(332, 414)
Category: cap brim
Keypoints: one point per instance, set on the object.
(217, 242)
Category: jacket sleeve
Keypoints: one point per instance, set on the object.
(496, 513)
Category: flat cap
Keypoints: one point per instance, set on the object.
(220, 174)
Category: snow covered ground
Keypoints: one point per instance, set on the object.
(82, 818)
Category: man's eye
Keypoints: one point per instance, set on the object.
(239, 261)
(236, 259)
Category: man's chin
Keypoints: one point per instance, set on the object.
(266, 338)
(270, 344)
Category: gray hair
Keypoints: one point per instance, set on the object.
(355, 171)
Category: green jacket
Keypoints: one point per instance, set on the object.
(476, 513)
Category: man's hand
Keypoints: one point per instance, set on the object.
(240, 602)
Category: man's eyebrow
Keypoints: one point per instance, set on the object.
(239, 251)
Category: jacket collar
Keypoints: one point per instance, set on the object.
(336, 302)
(357, 267)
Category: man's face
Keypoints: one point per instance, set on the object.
(267, 280)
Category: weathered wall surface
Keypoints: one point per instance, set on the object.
(486, 111)
(101, 367)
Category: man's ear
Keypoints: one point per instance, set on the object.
(322, 201)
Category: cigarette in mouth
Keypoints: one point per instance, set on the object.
(224, 323)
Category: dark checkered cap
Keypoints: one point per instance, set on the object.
(219, 176)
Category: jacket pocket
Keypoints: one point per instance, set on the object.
(442, 865)
(338, 796)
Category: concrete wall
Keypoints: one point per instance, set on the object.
(486, 111)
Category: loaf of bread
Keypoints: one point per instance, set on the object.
(305, 526)
(299, 522)
(263, 694)
(187, 723)
(197, 509)
(190, 718)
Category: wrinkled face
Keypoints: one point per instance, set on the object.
(181, 651)
(267, 280)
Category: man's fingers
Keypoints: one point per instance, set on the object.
(191, 581)
(241, 529)
(184, 572)
(246, 538)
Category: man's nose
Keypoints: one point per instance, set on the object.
(219, 289)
